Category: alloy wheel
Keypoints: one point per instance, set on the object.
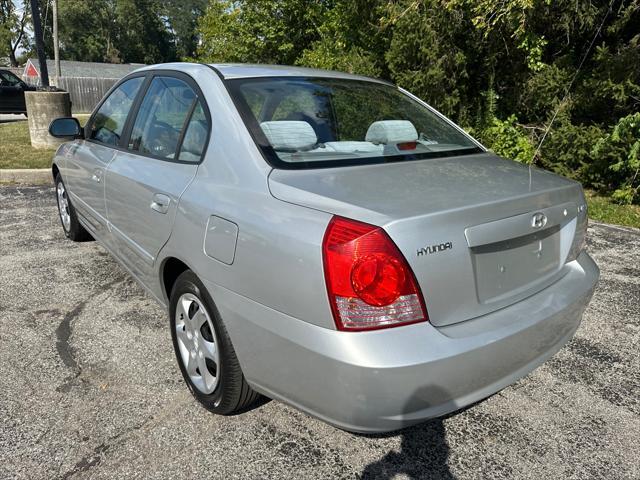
(197, 343)
(63, 206)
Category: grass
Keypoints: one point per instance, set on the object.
(603, 209)
(16, 150)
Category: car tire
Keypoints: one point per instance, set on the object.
(67, 214)
(196, 328)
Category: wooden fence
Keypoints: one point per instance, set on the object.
(85, 92)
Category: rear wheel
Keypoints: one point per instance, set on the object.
(68, 217)
(206, 357)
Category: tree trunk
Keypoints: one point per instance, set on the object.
(12, 56)
(37, 33)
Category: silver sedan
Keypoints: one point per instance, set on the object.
(325, 239)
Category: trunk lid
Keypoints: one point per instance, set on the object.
(479, 232)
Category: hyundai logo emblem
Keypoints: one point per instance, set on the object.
(539, 220)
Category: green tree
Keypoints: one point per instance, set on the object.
(115, 31)
(142, 36)
(263, 31)
(13, 23)
(181, 17)
(616, 160)
(350, 39)
(432, 53)
(88, 31)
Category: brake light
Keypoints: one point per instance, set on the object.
(407, 145)
(369, 282)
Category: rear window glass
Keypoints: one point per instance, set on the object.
(309, 122)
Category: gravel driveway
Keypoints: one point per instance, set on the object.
(89, 387)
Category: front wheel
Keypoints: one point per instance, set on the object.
(68, 217)
(206, 357)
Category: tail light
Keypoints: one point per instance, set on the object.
(407, 145)
(369, 282)
(580, 238)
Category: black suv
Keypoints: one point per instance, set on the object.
(12, 93)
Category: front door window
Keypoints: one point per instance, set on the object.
(108, 123)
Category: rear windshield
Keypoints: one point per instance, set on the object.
(325, 122)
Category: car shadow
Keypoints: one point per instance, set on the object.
(424, 451)
(423, 454)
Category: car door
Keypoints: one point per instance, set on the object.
(11, 93)
(144, 182)
(88, 159)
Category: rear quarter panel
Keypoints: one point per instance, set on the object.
(278, 258)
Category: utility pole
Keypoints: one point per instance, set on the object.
(56, 45)
(37, 33)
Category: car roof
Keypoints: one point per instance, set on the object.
(246, 70)
(231, 71)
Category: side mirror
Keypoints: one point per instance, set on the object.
(66, 127)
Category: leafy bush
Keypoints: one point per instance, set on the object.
(508, 139)
(615, 165)
(542, 93)
(330, 55)
(427, 58)
(567, 150)
(607, 162)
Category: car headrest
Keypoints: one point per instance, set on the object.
(391, 131)
(289, 134)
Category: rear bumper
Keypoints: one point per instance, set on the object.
(388, 379)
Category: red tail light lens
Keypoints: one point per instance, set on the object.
(369, 282)
(407, 145)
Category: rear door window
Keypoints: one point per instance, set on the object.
(195, 136)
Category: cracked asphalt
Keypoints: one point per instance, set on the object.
(89, 387)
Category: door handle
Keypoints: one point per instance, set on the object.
(160, 203)
(97, 175)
